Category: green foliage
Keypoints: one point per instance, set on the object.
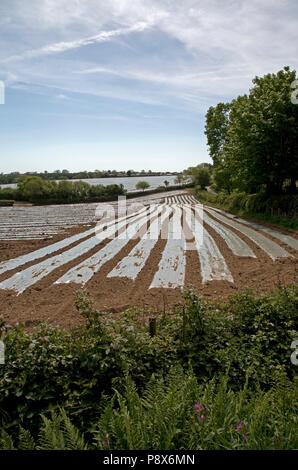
(202, 177)
(198, 175)
(179, 413)
(60, 434)
(254, 140)
(222, 178)
(280, 209)
(65, 191)
(217, 119)
(75, 368)
(78, 370)
(142, 185)
(34, 189)
(56, 433)
(6, 441)
(150, 421)
(179, 179)
(37, 190)
(6, 203)
(245, 332)
(9, 194)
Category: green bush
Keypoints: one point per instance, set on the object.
(278, 209)
(180, 413)
(4, 203)
(52, 366)
(246, 331)
(78, 369)
(39, 191)
(177, 413)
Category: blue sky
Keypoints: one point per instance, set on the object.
(120, 84)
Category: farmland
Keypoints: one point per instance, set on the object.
(162, 244)
(148, 230)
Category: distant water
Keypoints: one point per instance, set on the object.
(129, 183)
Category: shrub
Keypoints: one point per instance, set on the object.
(284, 207)
(177, 413)
(202, 177)
(4, 203)
(79, 369)
(40, 191)
(245, 331)
(8, 194)
(52, 367)
(142, 185)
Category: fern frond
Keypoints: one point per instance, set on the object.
(26, 441)
(51, 436)
(6, 441)
(73, 439)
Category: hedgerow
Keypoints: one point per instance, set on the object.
(245, 341)
(281, 210)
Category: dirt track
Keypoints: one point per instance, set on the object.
(45, 300)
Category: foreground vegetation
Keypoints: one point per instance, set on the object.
(212, 376)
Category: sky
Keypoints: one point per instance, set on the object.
(125, 84)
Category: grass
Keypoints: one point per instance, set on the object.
(279, 221)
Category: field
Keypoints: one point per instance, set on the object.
(145, 257)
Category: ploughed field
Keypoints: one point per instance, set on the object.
(142, 256)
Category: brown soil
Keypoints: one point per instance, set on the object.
(54, 303)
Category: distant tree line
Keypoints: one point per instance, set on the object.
(37, 190)
(15, 177)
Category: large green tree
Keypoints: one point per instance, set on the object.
(202, 177)
(257, 146)
(217, 119)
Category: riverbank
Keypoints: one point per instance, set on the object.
(128, 182)
(10, 179)
(81, 194)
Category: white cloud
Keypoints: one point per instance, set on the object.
(63, 46)
(220, 46)
(61, 96)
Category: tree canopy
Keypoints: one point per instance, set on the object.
(36, 190)
(253, 140)
(202, 177)
(142, 185)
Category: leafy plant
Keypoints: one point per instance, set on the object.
(178, 413)
(79, 370)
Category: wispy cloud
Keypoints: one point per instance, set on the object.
(63, 46)
(61, 96)
(190, 52)
(117, 83)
